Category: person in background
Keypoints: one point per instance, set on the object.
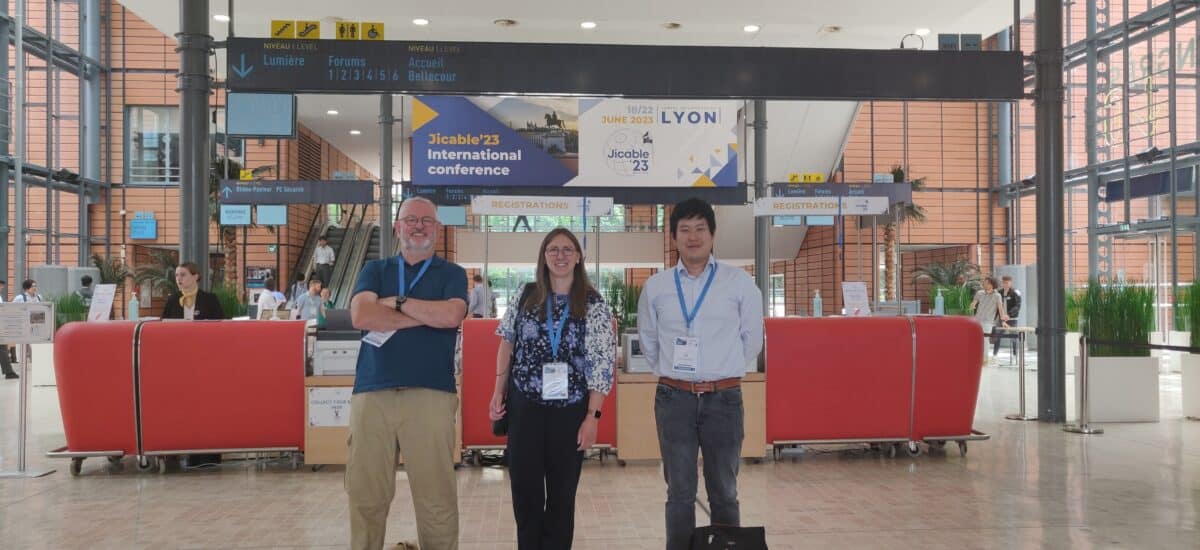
(299, 288)
(268, 301)
(191, 302)
(326, 305)
(1011, 299)
(85, 290)
(323, 258)
(28, 293)
(309, 303)
(410, 307)
(492, 284)
(699, 323)
(988, 307)
(5, 360)
(480, 303)
(553, 391)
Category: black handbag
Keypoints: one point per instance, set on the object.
(500, 427)
(718, 537)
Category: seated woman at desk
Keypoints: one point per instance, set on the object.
(191, 302)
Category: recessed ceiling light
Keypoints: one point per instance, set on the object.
(589, 25)
(830, 29)
(505, 22)
(671, 25)
(751, 28)
(922, 32)
(420, 21)
(331, 112)
(355, 132)
(221, 17)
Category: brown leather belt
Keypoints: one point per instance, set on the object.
(700, 387)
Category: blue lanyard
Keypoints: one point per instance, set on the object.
(555, 329)
(689, 317)
(403, 291)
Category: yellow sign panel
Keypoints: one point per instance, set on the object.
(246, 174)
(283, 29)
(308, 30)
(347, 30)
(813, 177)
(793, 177)
(372, 30)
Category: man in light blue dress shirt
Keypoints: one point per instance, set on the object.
(700, 324)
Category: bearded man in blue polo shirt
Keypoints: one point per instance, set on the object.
(409, 308)
(700, 324)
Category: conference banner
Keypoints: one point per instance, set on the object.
(571, 142)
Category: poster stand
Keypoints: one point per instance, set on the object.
(24, 323)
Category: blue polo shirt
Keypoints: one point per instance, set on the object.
(418, 356)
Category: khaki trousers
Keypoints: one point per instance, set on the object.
(419, 423)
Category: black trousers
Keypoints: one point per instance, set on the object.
(996, 341)
(543, 467)
(5, 363)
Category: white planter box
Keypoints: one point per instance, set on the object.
(1121, 389)
(1191, 385)
(1170, 359)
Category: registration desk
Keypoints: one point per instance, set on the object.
(326, 432)
(637, 434)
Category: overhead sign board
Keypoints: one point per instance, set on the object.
(606, 70)
(820, 206)
(542, 206)
(297, 192)
(568, 142)
(895, 192)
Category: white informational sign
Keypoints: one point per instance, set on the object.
(329, 407)
(102, 302)
(26, 322)
(820, 206)
(502, 205)
(856, 299)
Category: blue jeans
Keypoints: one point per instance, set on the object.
(712, 424)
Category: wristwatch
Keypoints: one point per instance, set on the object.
(400, 302)
(596, 415)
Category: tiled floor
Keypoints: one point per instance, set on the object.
(1031, 486)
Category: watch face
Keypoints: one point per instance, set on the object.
(597, 414)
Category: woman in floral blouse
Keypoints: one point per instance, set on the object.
(553, 369)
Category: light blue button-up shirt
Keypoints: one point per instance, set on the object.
(729, 324)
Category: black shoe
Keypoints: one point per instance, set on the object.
(11, 376)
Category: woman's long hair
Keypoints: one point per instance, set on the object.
(535, 303)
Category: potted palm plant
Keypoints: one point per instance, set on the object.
(1190, 362)
(1122, 381)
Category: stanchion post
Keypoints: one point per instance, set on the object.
(1021, 383)
(23, 420)
(1083, 408)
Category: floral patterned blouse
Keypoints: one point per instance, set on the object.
(588, 346)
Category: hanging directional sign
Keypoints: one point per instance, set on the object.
(820, 206)
(542, 206)
(670, 72)
(297, 192)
